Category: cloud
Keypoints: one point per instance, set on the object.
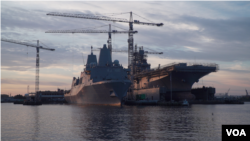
(193, 49)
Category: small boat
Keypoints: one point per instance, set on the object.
(185, 103)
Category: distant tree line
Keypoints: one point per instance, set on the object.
(245, 98)
(19, 96)
(4, 96)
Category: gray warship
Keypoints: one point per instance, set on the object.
(105, 82)
(168, 82)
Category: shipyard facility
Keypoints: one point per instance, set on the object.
(108, 82)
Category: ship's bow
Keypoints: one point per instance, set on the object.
(121, 88)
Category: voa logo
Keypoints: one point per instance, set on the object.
(236, 132)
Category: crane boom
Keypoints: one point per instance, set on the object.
(85, 16)
(105, 18)
(26, 44)
(112, 50)
(89, 31)
(143, 23)
(153, 52)
(127, 51)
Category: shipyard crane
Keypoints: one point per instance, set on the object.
(38, 47)
(106, 18)
(95, 31)
(226, 94)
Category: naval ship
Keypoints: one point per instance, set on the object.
(102, 82)
(169, 82)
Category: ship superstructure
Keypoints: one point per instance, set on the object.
(102, 82)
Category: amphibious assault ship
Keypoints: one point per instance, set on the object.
(169, 82)
(105, 82)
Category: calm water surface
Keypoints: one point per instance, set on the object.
(75, 122)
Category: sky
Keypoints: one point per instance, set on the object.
(201, 32)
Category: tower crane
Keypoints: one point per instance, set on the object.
(106, 18)
(38, 47)
(95, 31)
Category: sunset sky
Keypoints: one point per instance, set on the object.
(201, 32)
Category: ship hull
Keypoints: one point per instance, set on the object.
(180, 81)
(106, 92)
(180, 84)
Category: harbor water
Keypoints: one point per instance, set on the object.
(100, 122)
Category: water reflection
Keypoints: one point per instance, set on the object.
(92, 122)
(36, 123)
(109, 122)
(100, 122)
(140, 122)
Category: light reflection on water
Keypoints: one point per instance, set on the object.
(75, 122)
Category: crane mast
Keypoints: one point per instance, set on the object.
(37, 70)
(130, 46)
(37, 60)
(110, 41)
